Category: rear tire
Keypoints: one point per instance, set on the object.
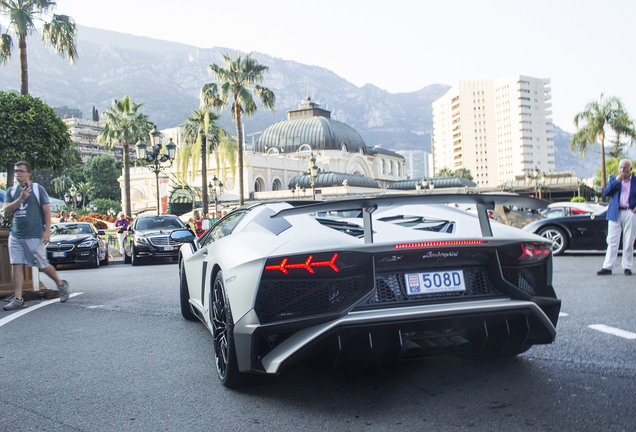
(184, 295)
(223, 333)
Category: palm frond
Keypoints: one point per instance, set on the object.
(5, 48)
(61, 33)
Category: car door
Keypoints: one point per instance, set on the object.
(197, 266)
(588, 231)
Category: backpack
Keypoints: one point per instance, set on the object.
(34, 188)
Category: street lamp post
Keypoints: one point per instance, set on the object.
(313, 174)
(72, 196)
(92, 207)
(538, 186)
(111, 212)
(216, 188)
(156, 157)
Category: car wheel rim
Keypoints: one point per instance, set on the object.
(219, 328)
(556, 237)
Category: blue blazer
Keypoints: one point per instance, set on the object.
(613, 190)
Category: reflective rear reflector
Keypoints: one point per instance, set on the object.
(440, 243)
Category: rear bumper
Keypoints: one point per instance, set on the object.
(370, 336)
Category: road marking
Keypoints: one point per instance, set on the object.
(95, 307)
(613, 331)
(25, 311)
(563, 314)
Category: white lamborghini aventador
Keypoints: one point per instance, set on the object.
(369, 281)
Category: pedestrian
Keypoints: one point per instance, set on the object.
(198, 223)
(73, 217)
(191, 226)
(620, 218)
(64, 216)
(212, 218)
(121, 225)
(30, 232)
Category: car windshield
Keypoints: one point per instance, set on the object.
(159, 223)
(71, 229)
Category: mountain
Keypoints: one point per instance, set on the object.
(167, 77)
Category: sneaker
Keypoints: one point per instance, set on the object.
(603, 272)
(627, 272)
(63, 291)
(15, 304)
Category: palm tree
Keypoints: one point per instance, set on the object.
(62, 183)
(84, 188)
(463, 173)
(22, 14)
(126, 125)
(237, 81)
(591, 126)
(623, 126)
(201, 130)
(446, 172)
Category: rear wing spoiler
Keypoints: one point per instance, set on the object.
(483, 202)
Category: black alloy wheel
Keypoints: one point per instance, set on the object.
(223, 333)
(134, 259)
(184, 295)
(95, 262)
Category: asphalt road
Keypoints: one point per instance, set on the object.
(119, 357)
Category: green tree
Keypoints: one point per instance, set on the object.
(102, 173)
(463, 173)
(103, 205)
(22, 15)
(31, 131)
(85, 189)
(203, 135)
(95, 114)
(125, 124)
(445, 172)
(237, 80)
(593, 124)
(623, 126)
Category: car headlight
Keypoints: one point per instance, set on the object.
(141, 240)
(86, 244)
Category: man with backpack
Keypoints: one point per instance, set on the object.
(30, 232)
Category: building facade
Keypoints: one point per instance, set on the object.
(497, 129)
(416, 163)
(84, 134)
(279, 156)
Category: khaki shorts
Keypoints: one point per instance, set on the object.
(31, 252)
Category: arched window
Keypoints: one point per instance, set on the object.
(304, 148)
(259, 185)
(273, 150)
(277, 185)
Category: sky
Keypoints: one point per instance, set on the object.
(584, 47)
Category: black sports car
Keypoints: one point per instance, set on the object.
(148, 237)
(77, 242)
(580, 232)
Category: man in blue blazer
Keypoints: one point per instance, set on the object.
(621, 217)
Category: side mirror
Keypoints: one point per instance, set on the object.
(182, 236)
(101, 233)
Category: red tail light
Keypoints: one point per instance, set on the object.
(534, 251)
(441, 243)
(307, 265)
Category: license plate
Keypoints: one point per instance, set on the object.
(168, 248)
(435, 282)
(59, 254)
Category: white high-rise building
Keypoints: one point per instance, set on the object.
(498, 129)
(416, 163)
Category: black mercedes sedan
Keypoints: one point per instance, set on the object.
(580, 232)
(149, 237)
(77, 242)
